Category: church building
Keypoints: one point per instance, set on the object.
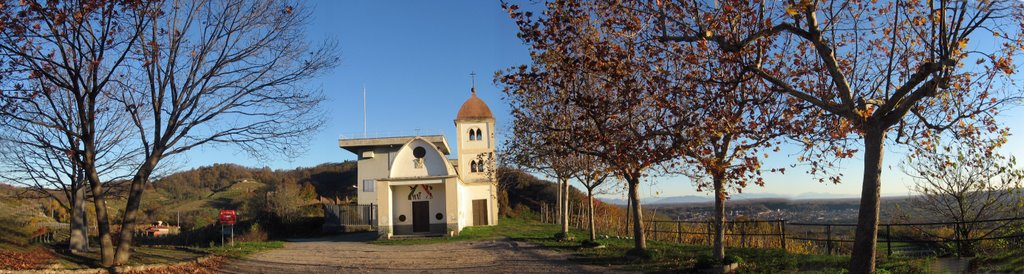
(418, 190)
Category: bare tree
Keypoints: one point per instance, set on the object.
(36, 152)
(221, 72)
(965, 182)
(61, 58)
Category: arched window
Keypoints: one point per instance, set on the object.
(479, 136)
(472, 166)
(472, 136)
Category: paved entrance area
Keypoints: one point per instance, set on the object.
(351, 253)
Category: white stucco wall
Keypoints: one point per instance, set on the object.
(373, 169)
(470, 150)
(402, 205)
(384, 224)
(478, 192)
(433, 162)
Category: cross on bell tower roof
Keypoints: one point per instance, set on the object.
(472, 76)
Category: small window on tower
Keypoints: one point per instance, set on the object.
(472, 136)
(472, 166)
(479, 136)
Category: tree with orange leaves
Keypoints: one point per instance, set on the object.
(870, 70)
(731, 127)
(604, 82)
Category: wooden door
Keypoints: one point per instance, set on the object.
(479, 212)
(421, 216)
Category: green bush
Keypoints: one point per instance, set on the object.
(706, 262)
(564, 237)
(643, 254)
(590, 244)
(729, 259)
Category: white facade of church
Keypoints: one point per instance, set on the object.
(418, 190)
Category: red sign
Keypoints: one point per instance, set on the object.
(227, 216)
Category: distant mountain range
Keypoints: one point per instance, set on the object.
(735, 197)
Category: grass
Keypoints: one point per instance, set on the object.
(1008, 262)
(243, 249)
(665, 256)
(507, 227)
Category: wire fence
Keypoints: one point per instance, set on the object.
(894, 239)
(51, 232)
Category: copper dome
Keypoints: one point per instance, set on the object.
(474, 108)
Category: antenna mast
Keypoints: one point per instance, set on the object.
(364, 110)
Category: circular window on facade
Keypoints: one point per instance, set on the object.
(439, 216)
(401, 218)
(419, 152)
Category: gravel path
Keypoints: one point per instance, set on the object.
(350, 253)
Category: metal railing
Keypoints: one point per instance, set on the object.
(906, 239)
(386, 134)
(340, 215)
(894, 239)
(747, 233)
(916, 239)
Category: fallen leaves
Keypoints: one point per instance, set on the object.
(31, 259)
(203, 267)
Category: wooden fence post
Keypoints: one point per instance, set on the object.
(958, 239)
(709, 232)
(828, 241)
(743, 233)
(782, 240)
(888, 238)
(679, 229)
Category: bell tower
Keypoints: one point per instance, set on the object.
(475, 141)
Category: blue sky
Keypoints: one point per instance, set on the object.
(415, 57)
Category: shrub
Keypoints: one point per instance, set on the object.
(729, 259)
(644, 254)
(590, 244)
(560, 236)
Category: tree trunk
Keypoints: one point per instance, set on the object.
(863, 259)
(558, 212)
(590, 213)
(629, 214)
(639, 240)
(719, 245)
(102, 219)
(565, 207)
(79, 229)
(131, 211)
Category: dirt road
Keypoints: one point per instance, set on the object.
(352, 254)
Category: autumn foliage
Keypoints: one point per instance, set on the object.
(836, 77)
(35, 258)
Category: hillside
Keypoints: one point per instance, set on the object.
(18, 218)
(195, 196)
(522, 193)
(192, 198)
